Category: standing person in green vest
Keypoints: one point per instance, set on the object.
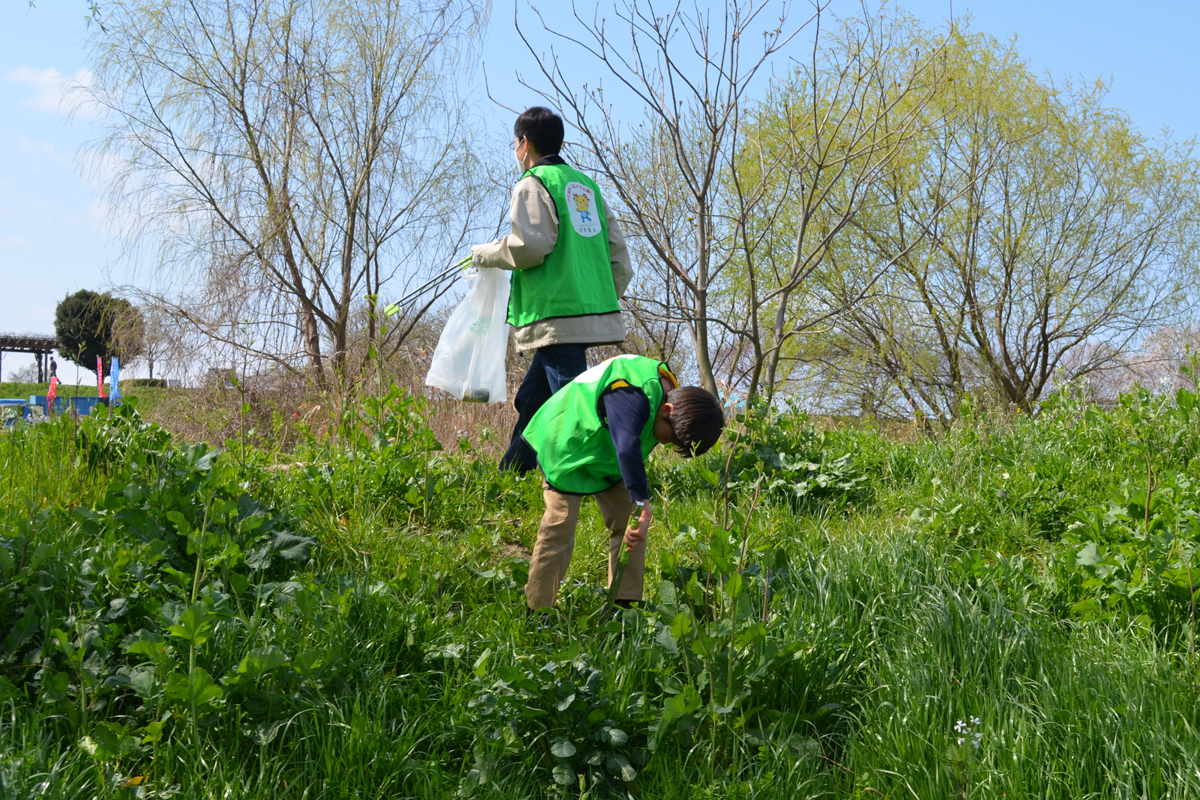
(570, 267)
(593, 437)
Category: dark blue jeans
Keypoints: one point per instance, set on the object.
(553, 367)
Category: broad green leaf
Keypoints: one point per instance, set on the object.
(563, 775)
(254, 665)
(751, 634)
(1089, 556)
(62, 642)
(250, 524)
(682, 625)
(291, 547)
(615, 736)
(619, 765)
(153, 732)
(194, 625)
(109, 741)
(180, 522)
(144, 682)
(721, 551)
(265, 733)
(39, 555)
(733, 586)
(667, 598)
(311, 661)
(284, 545)
(562, 748)
(676, 706)
(198, 687)
(451, 650)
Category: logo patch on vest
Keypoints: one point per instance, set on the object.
(582, 209)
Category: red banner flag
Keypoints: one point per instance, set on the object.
(100, 377)
(50, 395)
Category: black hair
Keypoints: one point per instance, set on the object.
(542, 128)
(697, 419)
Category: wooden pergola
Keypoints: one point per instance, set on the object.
(39, 346)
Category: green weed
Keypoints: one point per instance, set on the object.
(1002, 610)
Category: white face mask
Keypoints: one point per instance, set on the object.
(521, 156)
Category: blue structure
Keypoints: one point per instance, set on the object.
(8, 406)
(80, 405)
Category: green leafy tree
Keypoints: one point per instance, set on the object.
(817, 153)
(90, 324)
(1065, 237)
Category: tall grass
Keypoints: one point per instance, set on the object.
(917, 640)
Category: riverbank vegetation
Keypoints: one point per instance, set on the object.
(1003, 608)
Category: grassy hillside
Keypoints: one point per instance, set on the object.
(1001, 611)
(24, 390)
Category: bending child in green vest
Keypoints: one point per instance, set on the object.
(593, 437)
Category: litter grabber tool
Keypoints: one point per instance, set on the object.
(391, 309)
(622, 559)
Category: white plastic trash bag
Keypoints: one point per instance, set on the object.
(469, 359)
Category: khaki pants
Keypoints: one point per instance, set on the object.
(556, 540)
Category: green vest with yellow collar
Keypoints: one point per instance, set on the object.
(571, 438)
(576, 278)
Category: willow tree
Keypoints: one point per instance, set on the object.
(814, 163)
(292, 158)
(1066, 236)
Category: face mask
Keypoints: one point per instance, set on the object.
(520, 156)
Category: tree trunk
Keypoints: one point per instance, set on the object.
(700, 339)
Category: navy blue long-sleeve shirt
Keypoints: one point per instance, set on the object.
(628, 410)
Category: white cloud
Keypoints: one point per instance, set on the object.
(16, 243)
(42, 148)
(56, 92)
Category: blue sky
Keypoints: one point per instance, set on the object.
(54, 238)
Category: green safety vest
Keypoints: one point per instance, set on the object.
(576, 279)
(572, 442)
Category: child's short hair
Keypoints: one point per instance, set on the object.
(697, 419)
(543, 128)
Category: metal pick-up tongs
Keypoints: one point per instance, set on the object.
(610, 600)
(392, 309)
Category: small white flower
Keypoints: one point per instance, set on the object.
(974, 720)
